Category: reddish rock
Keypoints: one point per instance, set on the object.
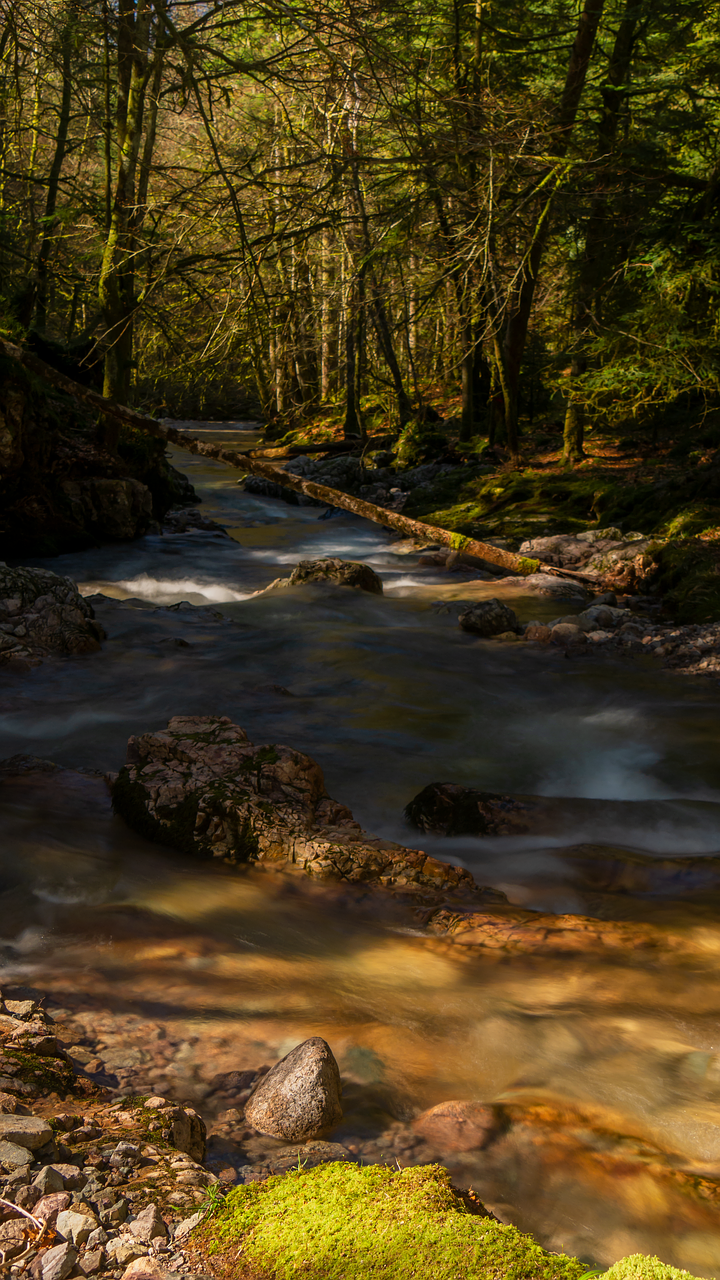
(48, 1208)
(457, 1126)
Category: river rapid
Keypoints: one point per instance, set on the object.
(608, 1069)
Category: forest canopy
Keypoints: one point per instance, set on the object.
(216, 205)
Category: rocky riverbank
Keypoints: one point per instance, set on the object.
(96, 1181)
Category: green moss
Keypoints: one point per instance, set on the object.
(527, 566)
(42, 1074)
(687, 574)
(458, 541)
(638, 1267)
(341, 1222)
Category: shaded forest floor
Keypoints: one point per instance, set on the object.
(662, 482)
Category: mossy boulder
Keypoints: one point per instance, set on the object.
(339, 1222)
(342, 1222)
(341, 573)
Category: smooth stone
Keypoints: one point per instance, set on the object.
(144, 1269)
(300, 1097)
(48, 1207)
(75, 1227)
(49, 1179)
(538, 632)
(187, 1225)
(93, 1261)
(124, 1249)
(567, 633)
(27, 1131)
(149, 1225)
(457, 1126)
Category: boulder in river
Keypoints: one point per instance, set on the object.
(488, 618)
(42, 613)
(446, 809)
(300, 1097)
(343, 573)
(201, 786)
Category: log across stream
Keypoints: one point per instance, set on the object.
(604, 1068)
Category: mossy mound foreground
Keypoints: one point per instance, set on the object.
(341, 1222)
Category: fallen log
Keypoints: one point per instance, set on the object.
(467, 547)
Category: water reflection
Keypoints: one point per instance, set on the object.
(607, 1067)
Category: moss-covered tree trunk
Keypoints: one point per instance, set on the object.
(116, 288)
(596, 260)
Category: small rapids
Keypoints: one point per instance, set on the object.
(607, 1067)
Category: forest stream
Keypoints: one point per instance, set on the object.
(607, 1067)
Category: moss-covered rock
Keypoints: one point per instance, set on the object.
(339, 1222)
(640, 1267)
(687, 575)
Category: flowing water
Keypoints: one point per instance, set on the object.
(608, 1068)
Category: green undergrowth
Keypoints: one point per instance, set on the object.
(525, 504)
(342, 1222)
(687, 576)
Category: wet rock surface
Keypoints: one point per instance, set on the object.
(382, 485)
(43, 614)
(60, 490)
(342, 573)
(447, 809)
(596, 552)
(488, 618)
(202, 787)
(634, 627)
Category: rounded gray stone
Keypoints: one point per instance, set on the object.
(300, 1097)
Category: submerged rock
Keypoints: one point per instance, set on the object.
(458, 1126)
(344, 573)
(545, 584)
(488, 618)
(446, 809)
(300, 1097)
(42, 613)
(201, 786)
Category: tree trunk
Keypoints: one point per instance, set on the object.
(595, 258)
(522, 295)
(49, 221)
(116, 289)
